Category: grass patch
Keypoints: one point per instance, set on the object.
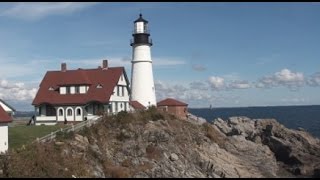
(20, 135)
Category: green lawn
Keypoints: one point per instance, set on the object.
(19, 135)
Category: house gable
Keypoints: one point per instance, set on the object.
(6, 106)
(121, 90)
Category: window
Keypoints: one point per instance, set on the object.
(60, 112)
(69, 112)
(51, 89)
(122, 91)
(118, 90)
(77, 89)
(78, 112)
(40, 110)
(99, 86)
(68, 89)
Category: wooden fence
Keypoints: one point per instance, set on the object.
(73, 128)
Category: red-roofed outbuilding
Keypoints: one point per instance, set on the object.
(173, 106)
(135, 105)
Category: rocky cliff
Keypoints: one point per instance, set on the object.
(151, 144)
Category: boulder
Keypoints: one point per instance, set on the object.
(174, 157)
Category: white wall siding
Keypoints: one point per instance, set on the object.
(4, 144)
(122, 80)
(5, 107)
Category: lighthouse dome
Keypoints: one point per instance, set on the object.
(140, 19)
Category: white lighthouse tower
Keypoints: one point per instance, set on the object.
(142, 84)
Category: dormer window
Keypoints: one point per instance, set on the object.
(51, 88)
(99, 86)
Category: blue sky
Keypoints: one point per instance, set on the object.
(219, 54)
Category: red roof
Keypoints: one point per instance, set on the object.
(107, 78)
(136, 105)
(171, 102)
(4, 117)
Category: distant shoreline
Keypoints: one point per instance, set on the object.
(251, 106)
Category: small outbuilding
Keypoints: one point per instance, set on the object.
(5, 118)
(173, 106)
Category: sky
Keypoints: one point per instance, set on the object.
(219, 54)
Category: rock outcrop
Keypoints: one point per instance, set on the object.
(166, 147)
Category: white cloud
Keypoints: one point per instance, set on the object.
(216, 83)
(194, 97)
(314, 80)
(16, 91)
(239, 85)
(39, 10)
(284, 77)
(197, 85)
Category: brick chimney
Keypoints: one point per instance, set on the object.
(63, 67)
(105, 64)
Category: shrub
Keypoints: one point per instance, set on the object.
(85, 131)
(153, 152)
(116, 171)
(126, 163)
(63, 135)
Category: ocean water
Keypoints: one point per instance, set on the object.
(293, 117)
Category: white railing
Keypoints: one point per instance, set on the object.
(46, 118)
(74, 128)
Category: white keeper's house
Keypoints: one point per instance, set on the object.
(77, 95)
(5, 118)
